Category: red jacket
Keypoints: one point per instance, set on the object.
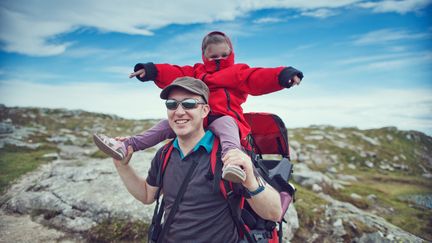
(229, 83)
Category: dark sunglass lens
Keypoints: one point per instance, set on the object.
(189, 103)
(171, 104)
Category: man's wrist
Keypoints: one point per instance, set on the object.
(257, 188)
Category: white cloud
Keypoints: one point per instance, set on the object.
(386, 62)
(20, 34)
(409, 57)
(320, 13)
(405, 109)
(398, 6)
(384, 36)
(267, 20)
(33, 28)
(128, 99)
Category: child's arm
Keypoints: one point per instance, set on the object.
(140, 73)
(259, 81)
(161, 74)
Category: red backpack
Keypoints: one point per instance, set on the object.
(268, 136)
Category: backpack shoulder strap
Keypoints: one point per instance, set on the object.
(164, 157)
(234, 202)
(177, 201)
(155, 228)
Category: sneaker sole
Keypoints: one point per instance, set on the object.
(106, 149)
(234, 174)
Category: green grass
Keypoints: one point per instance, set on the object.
(310, 209)
(389, 189)
(99, 155)
(16, 161)
(118, 230)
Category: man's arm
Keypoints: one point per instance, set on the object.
(266, 204)
(136, 185)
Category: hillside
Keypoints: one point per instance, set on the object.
(362, 185)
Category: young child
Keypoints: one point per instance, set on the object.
(229, 85)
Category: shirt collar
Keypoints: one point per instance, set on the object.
(206, 142)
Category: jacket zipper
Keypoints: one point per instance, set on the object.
(228, 104)
(217, 65)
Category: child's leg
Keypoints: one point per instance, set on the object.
(227, 130)
(151, 137)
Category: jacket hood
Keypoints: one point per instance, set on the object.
(216, 65)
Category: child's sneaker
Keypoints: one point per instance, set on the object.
(110, 146)
(234, 174)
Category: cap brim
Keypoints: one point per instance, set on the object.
(166, 91)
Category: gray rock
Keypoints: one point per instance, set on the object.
(352, 166)
(18, 143)
(296, 145)
(6, 128)
(372, 198)
(332, 170)
(355, 196)
(293, 154)
(52, 156)
(314, 137)
(399, 166)
(349, 213)
(385, 166)
(338, 228)
(346, 177)
(316, 188)
(317, 159)
(292, 223)
(334, 158)
(372, 237)
(369, 164)
(373, 141)
(74, 152)
(81, 193)
(307, 178)
(302, 157)
(311, 147)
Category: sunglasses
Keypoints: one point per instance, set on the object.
(187, 104)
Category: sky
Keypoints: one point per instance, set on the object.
(366, 64)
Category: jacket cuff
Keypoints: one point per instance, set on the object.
(287, 74)
(150, 70)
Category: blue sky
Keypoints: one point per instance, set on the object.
(367, 64)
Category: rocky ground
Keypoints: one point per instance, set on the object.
(351, 183)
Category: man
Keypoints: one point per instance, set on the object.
(203, 214)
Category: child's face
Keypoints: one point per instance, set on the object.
(217, 51)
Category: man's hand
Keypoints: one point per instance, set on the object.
(238, 157)
(141, 73)
(125, 161)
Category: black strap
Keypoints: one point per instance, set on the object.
(177, 200)
(280, 232)
(218, 171)
(233, 204)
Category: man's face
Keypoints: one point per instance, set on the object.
(186, 122)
